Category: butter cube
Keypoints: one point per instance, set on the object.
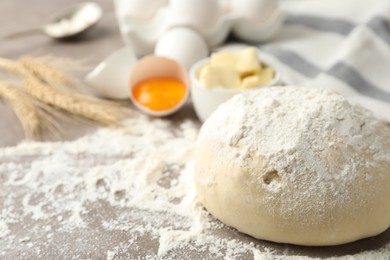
(261, 78)
(246, 62)
(224, 58)
(250, 82)
(219, 76)
(266, 75)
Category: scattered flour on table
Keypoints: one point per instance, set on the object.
(125, 194)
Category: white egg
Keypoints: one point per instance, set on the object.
(143, 9)
(202, 15)
(254, 10)
(182, 45)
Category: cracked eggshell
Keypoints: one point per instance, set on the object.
(183, 45)
(110, 79)
(202, 15)
(156, 66)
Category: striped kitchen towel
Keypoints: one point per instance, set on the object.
(343, 45)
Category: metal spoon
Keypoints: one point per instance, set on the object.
(71, 23)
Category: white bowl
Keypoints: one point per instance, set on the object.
(205, 100)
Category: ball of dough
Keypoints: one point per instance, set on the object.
(295, 165)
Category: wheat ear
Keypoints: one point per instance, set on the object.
(33, 116)
(13, 67)
(45, 70)
(46, 84)
(95, 110)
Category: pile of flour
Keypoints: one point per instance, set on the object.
(122, 194)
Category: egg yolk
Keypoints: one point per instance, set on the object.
(159, 93)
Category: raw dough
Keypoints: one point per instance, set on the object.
(295, 165)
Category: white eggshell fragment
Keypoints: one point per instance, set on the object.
(254, 10)
(143, 9)
(110, 79)
(202, 15)
(182, 45)
(259, 20)
(250, 31)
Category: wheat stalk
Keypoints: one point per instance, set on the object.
(33, 116)
(47, 68)
(104, 112)
(50, 86)
(13, 67)
(51, 70)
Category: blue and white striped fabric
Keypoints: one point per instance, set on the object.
(343, 45)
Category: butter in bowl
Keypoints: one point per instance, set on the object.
(225, 74)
